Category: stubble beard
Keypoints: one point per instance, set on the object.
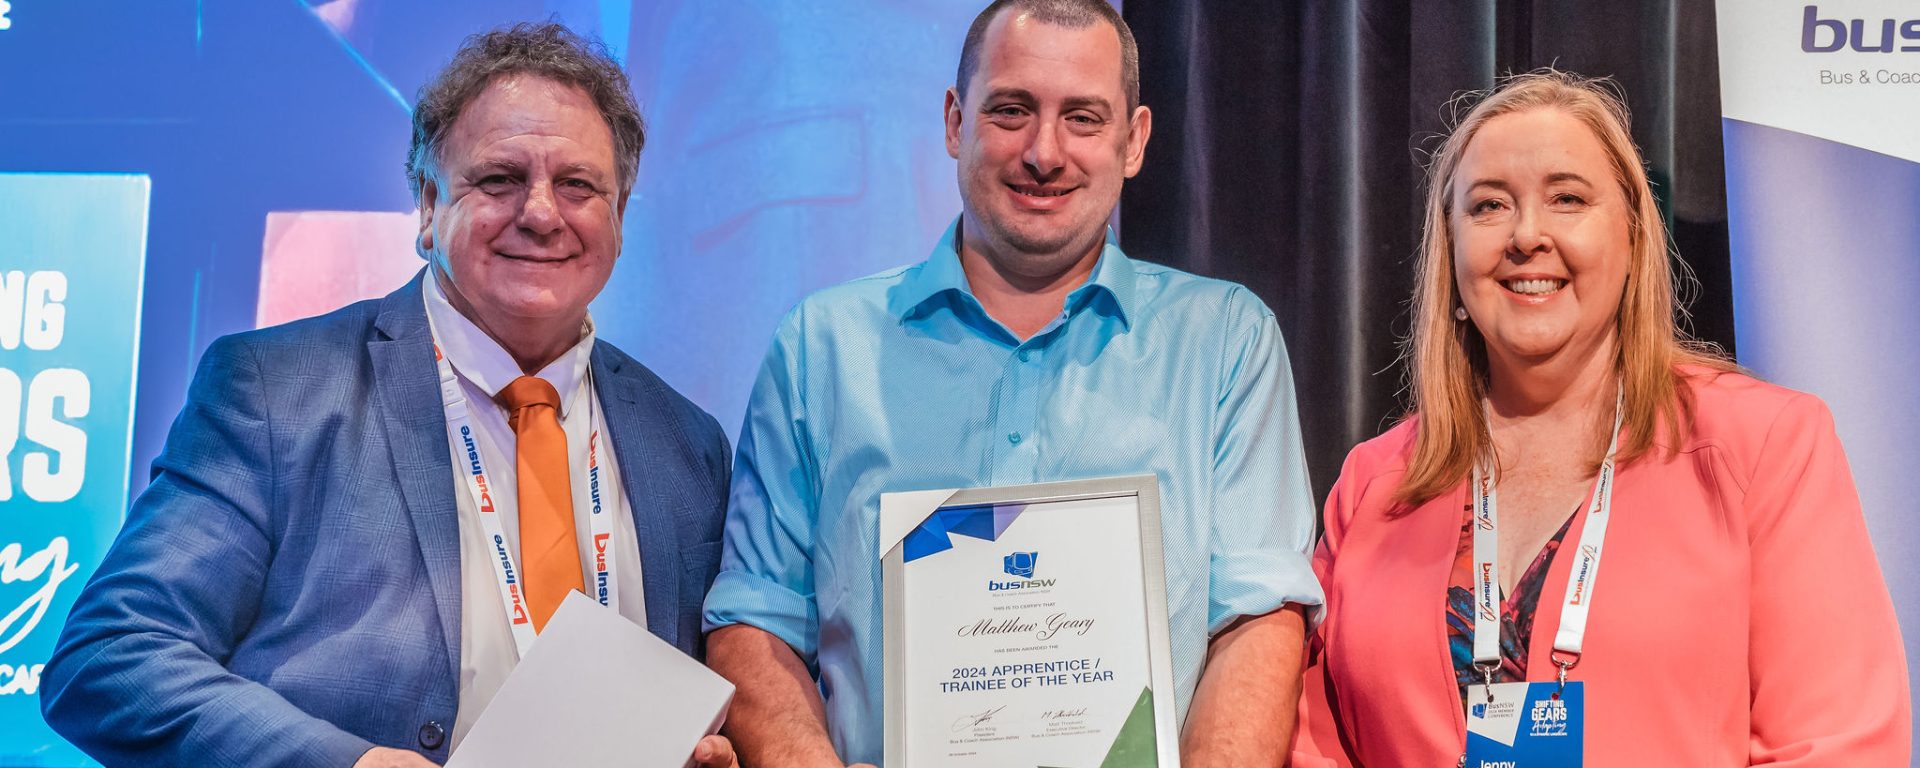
(1040, 252)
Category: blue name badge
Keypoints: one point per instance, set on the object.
(1525, 725)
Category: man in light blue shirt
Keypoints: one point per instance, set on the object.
(1026, 348)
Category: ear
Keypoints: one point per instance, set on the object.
(620, 223)
(429, 195)
(953, 123)
(1139, 128)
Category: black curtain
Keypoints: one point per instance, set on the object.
(1289, 153)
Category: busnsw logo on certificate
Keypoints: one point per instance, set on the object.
(994, 658)
(1020, 564)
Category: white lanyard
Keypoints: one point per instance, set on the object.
(506, 571)
(1579, 598)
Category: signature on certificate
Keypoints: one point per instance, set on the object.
(965, 722)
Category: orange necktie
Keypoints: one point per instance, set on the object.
(549, 558)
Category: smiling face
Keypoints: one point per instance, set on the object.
(1541, 237)
(1044, 139)
(520, 213)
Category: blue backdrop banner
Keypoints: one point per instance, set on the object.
(790, 146)
(1820, 103)
(71, 264)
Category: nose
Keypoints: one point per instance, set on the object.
(1529, 237)
(1043, 153)
(539, 212)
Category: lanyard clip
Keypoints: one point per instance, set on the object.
(1564, 661)
(1486, 672)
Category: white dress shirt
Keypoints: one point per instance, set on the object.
(487, 652)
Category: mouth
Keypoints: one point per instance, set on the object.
(1040, 196)
(1031, 190)
(537, 259)
(1534, 286)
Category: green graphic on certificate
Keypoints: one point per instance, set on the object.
(1134, 747)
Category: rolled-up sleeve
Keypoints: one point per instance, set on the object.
(766, 565)
(1263, 516)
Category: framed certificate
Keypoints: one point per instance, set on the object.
(1027, 626)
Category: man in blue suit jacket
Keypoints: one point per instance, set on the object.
(291, 589)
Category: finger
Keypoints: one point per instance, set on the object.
(713, 752)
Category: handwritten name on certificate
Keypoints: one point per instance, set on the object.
(1025, 637)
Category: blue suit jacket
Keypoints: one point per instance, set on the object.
(287, 591)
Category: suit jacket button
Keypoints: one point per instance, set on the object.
(432, 736)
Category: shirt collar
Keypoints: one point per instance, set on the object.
(480, 360)
(941, 274)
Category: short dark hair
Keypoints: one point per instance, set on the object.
(547, 50)
(1072, 14)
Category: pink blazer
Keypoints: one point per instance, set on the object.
(1739, 617)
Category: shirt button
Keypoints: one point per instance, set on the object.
(432, 736)
(1025, 355)
(1013, 437)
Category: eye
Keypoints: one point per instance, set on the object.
(1568, 199)
(1008, 112)
(1488, 205)
(495, 184)
(576, 189)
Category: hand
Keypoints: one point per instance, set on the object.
(382, 757)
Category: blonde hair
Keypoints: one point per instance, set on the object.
(1447, 360)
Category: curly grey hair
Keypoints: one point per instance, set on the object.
(547, 50)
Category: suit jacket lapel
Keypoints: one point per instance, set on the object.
(407, 386)
(632, 429)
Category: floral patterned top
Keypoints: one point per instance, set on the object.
(1516, 610)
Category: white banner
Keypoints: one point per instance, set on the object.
(1821, 114)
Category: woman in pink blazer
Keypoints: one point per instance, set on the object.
(1740, 618)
